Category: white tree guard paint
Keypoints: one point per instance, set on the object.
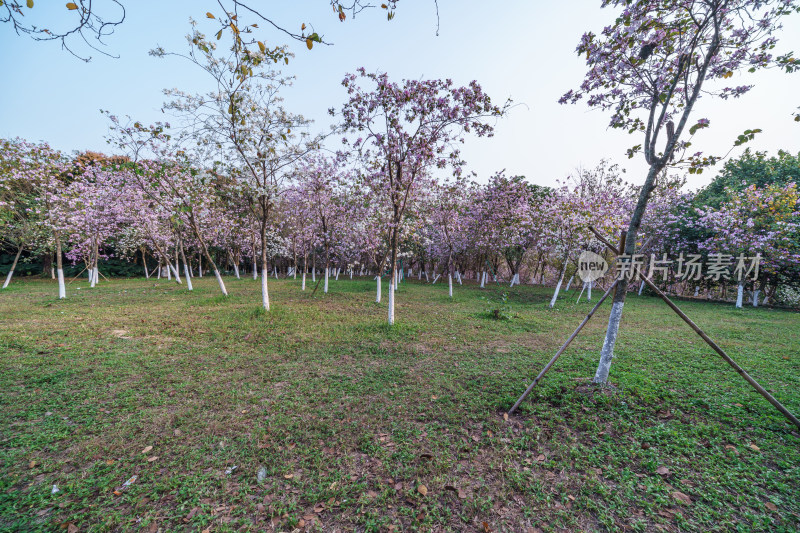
(755, 297)
(378, 296)
(583, 288)
(187, 276)
(304, 282)
(391, 303)
(696, 290)
(220, 282)
(641, 288)
(589, 292)
(450, 285)
(458, 277)
(555, 294)
(426, 276)
(739, 295)
(8, 278)
(62, 289)
(265, 288)
(569, 283)
(483, 279)
(255, 272)
(169, 272)
(313, 275)
(337, 273)
(177, 276)
(434, 279)
(607, 353)
(236, 271)
(325, 290)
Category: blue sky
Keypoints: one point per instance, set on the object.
(523, 50)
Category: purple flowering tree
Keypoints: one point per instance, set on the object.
(650, 67)
(410, 127)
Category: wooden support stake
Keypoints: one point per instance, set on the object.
(761, 390)
(561, 350)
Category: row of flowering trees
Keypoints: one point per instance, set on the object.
(331, 216)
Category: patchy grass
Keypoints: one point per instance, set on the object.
(347, 419)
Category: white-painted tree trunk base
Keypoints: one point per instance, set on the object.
(589, 292)
(755, 297)
(696, 291)
(569, 283)
(450, 285)
(583, 288)
(304, 282)
(187, 276)
(391, 303)
(641, 288)
(378, 295)
(236, 271)
(325, 289)
(62, 289)
(434, 279)
(175, 272)
(265, 289)
(607, 353)
(739, 296)
(8, 278)
(220, 282)
(555, 294)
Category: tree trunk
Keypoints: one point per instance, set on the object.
(62, 289)
(739, 295)
(13, 266)
(614, 319)
(185, 267)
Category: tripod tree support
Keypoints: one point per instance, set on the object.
(561, 350)
(761, 390)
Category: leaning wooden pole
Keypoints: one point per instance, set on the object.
(561, 350)
(761, 390)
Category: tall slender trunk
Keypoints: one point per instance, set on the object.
(739, 295)
(614, 319)
(13, 266)
(185, 266)
(62, 289)
(558, 286)
(144, 263)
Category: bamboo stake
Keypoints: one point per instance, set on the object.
(761, 390)
(561, 350)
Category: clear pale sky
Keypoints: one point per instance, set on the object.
(524, 50)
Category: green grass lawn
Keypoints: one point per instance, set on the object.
(358, 426)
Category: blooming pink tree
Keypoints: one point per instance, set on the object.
(411, 127)
(650, 67)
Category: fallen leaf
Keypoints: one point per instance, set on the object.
(505, 416)
(755, 448)
(422, 489)
(288, 476)
(31, 464)
(541, 457)
(681, 497)
(72, 528)
(461, 494)
(771, 506)
(662, 471)
(301, 522)
(147, 449)
(153, 458)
